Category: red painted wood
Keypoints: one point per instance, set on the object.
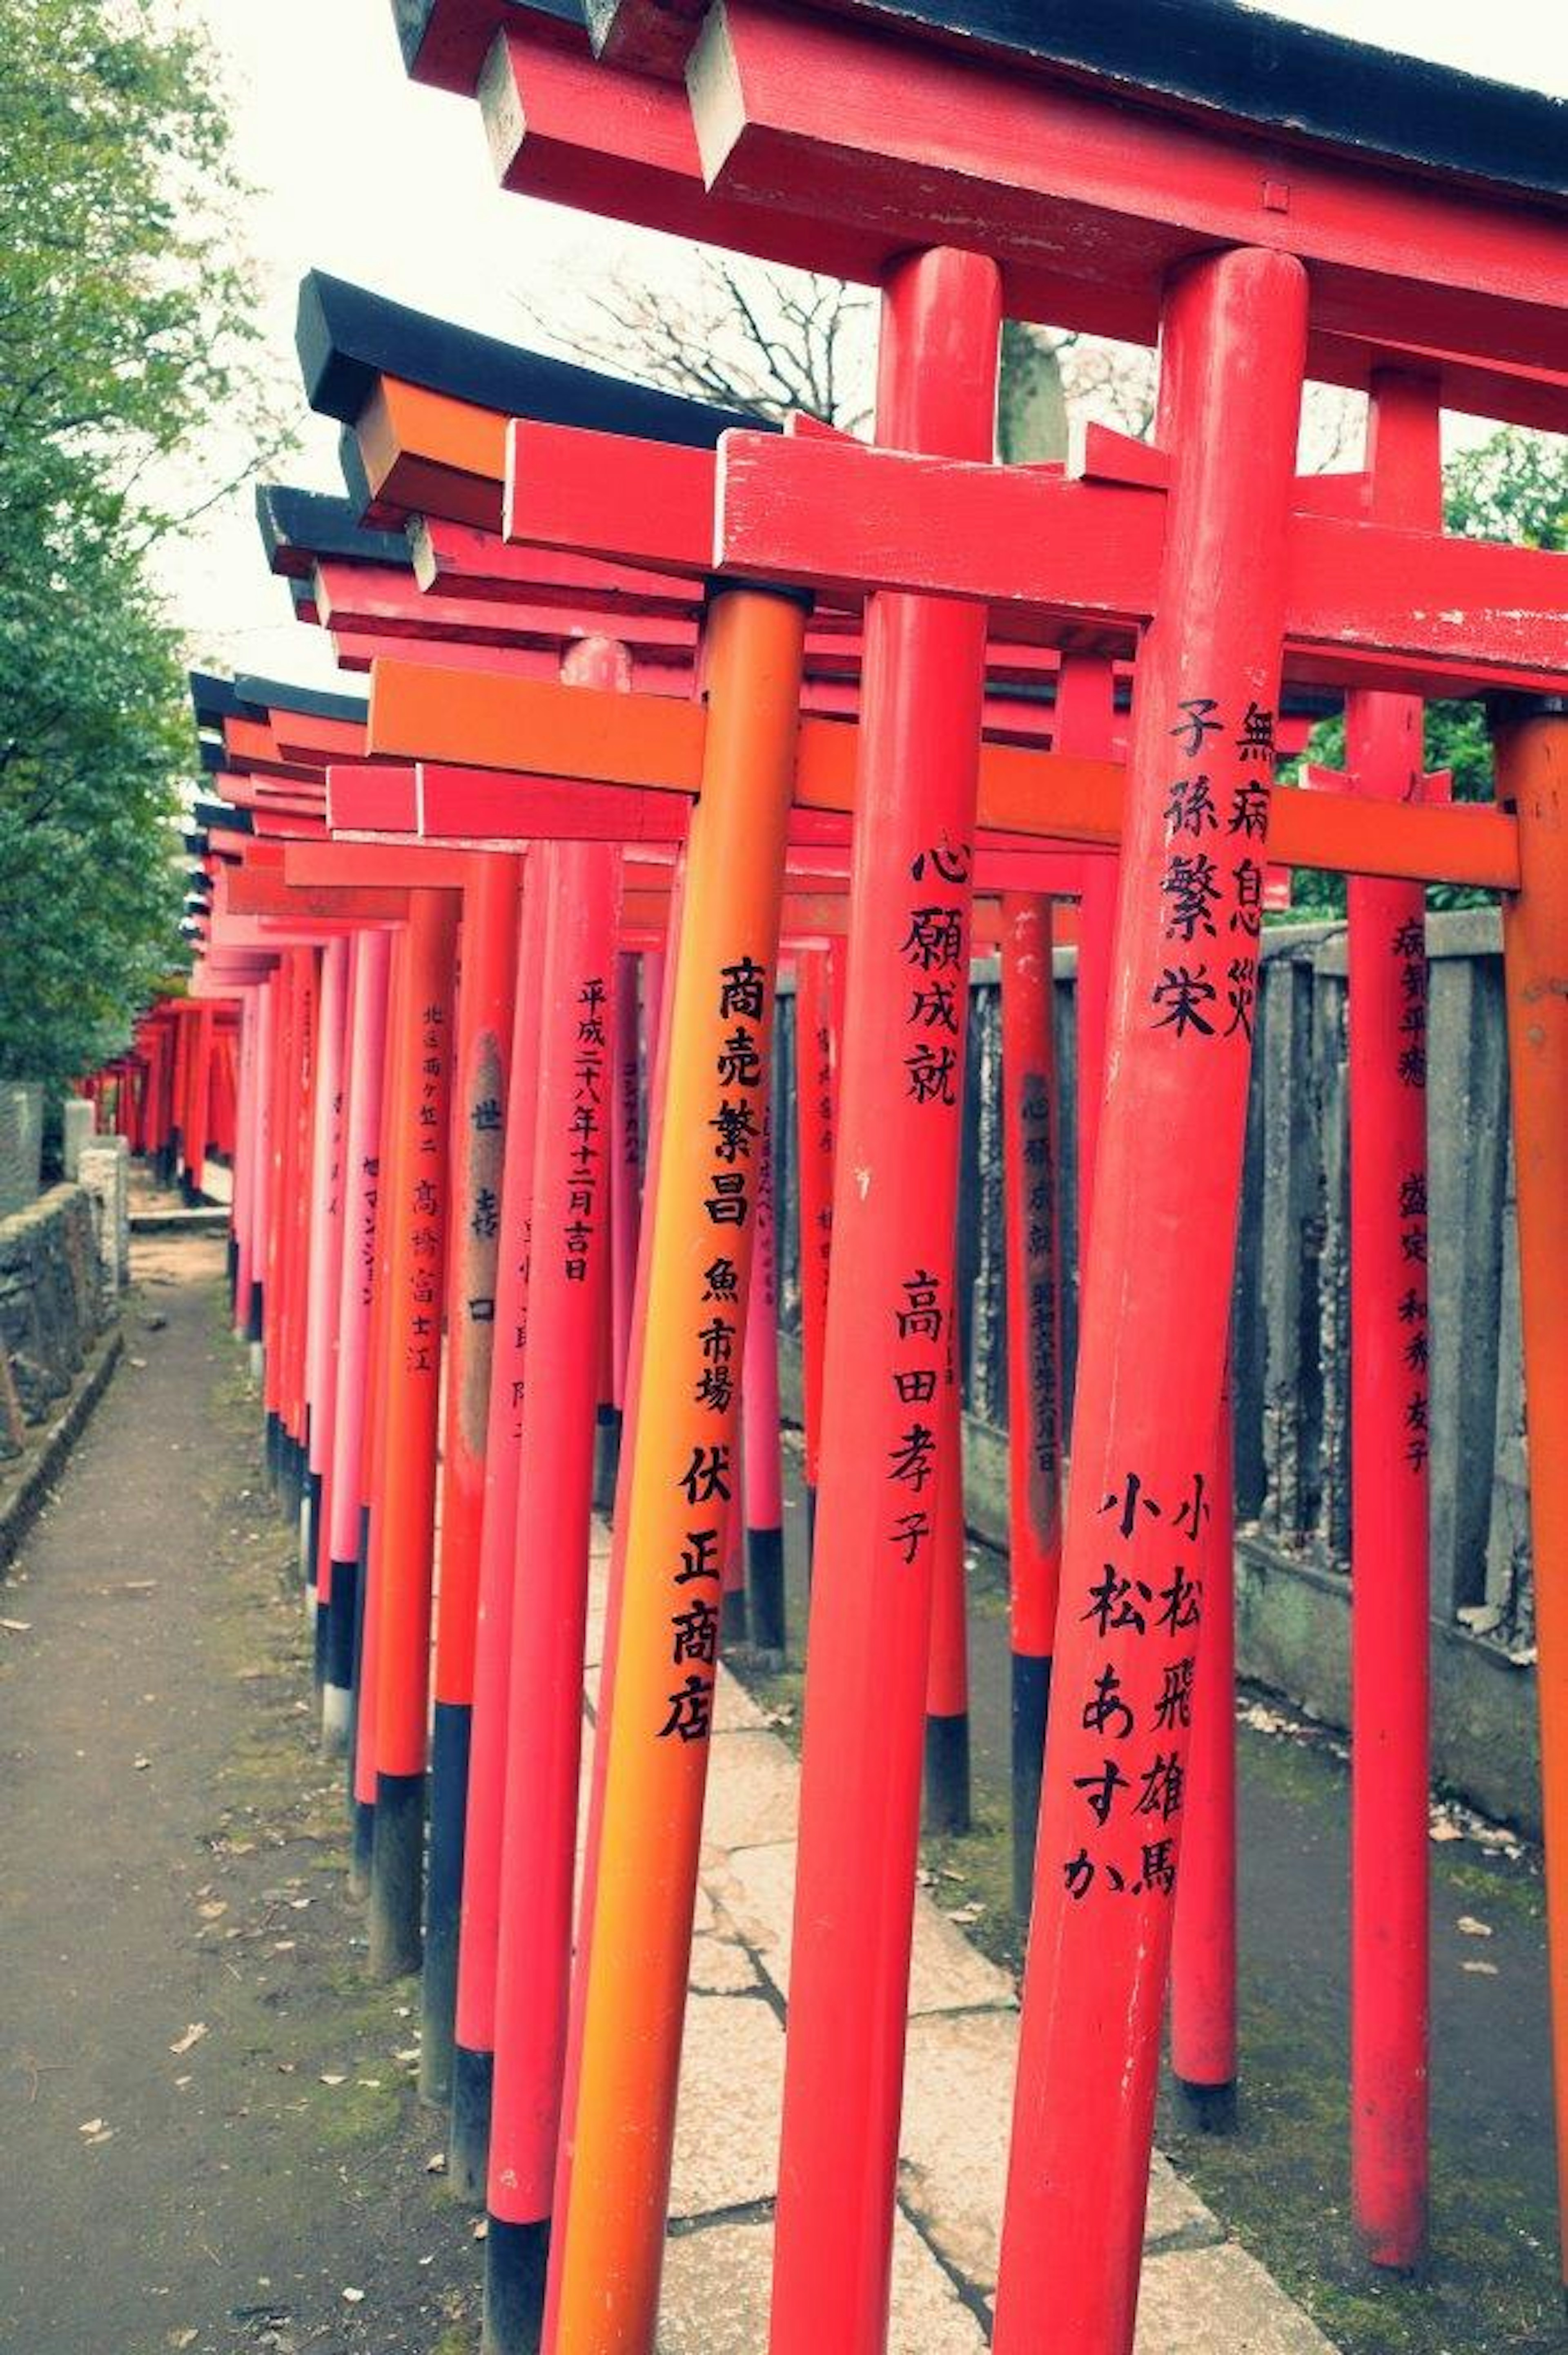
(1152, 1351)
(1203, 2043)
(815, 1093)
(498, 1530)
(487, 982)
(569, 1273)
(1389, 1390)
(1058, 177)
(831, 515)
(850, 195)
(887, 1340)
(1030, 1178)
(572, 489)
(418, 1211)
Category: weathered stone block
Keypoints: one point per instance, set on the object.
(76, 1130)
(105, 1180)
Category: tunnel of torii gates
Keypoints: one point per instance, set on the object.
(664, 702)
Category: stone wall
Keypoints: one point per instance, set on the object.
(1290, 1345)
(50, 1310)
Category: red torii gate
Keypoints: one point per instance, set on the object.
(815, 137)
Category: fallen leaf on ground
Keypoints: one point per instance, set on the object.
(329, 2079)
(193, 2035)
(354, 2296)
(1472, 1928)
(90, 2126)
(1480, 1969)
(17, 1626)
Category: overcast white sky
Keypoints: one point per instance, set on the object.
(361, 172)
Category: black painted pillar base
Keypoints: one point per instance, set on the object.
(733, 1617)
(288, 1473)
(1030, 1713)
(397, 1876)
(275, 1446)
(948, 1774)
(310, 1528)
(337, 1683)
(516, 2258)
(1206, 2109)
(254, 1326)
(319, 1649)
(362, 1846)
(765, 1589)
(606, 1459)
(811, 1533)
(361, 1587)
(443, 1897)
(231, 1262)
(468, 2149)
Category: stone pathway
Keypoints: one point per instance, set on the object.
(1201, 2293)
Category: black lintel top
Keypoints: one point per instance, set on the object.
(348, 338)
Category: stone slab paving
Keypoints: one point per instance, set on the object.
(1201, 2293)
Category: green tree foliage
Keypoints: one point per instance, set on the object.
(1513, 486)
(125, 322)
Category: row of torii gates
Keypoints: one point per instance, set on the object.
(664, 701)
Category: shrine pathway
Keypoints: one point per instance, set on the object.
(212, 2136)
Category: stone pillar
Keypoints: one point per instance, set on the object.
(21, 1144)
(103, 1174)
(76, 1122)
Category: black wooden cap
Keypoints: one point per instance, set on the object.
(1266, 70)
(348, 338)
(217, 818)
(299, 528)
(213, 699)
(281, 695)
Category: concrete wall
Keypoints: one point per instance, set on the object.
(50, 1309)
(1290, 1347)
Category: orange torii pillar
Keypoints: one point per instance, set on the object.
(416, 1204)
(487, 982)
(1531, 742)
(889, 1339)
(678, 1490)
(1156, 1311)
